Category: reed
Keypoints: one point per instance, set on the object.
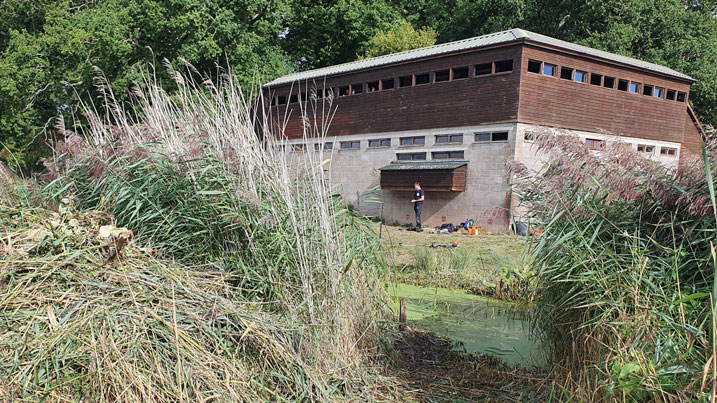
(624, 272)
(259, 241)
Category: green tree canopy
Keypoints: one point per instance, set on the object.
(400, 37)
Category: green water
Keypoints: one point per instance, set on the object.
(482, 325)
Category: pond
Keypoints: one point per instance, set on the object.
(482, 325)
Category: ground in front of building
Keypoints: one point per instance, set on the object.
(479, 264)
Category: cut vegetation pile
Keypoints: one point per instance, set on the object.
(625, 272)
(239, 276)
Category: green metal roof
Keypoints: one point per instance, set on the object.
(422, 165)
(504, 37)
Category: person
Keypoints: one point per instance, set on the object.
(418, 198)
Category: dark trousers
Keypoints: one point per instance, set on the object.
(417, 207)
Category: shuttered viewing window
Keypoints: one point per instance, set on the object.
(449, 138)
(413, 141)
(377, 143)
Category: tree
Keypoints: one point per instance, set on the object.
(323, 33)
(400, 37)
(49, 51)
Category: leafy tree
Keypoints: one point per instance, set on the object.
(400, 37)
(49, 51)
(327, 32)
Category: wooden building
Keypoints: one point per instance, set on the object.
(452, 115)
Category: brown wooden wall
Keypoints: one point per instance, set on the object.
(472, 101)
(435, 180)
(556, 102)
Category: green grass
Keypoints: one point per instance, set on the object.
(482, 264)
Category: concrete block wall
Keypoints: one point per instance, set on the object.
(354, 174)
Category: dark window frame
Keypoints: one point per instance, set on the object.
(646, 88)
(427, 80)
(564, 70)
(483, 65)
(461, 76)
(671, 92)
(495, 66)
(373, 86)
(381, 143)
(605, 79)
(668, 151)
(412, 156)
(620, 82)
(450, 137)
(450, 155)
(388, 80)
(646, 148)
(443, 73)
(355, 86)
(660, 90)
(351, 144)
(491, 136)
(413, 141)
(599, 79)
(553, 66)
(533, 63)
(681, 96)
(402, 79)
(584, 74)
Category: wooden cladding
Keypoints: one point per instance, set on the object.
(431, 180)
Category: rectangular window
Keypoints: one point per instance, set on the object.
(460, 73)
(388, 83)
(499, 136)
(534, 66)
(377, 143)
(343, 91)
(595, 79)
(443, 75)
(668, 151)
(411, 156)
(647, 90)
(318, 93)
(281, 100)
(405, 81)
(413, 141)
(484, 69)
(494, 136)
(681, 96)
(595, 144)
(304, 97)
(549, 69)
(622, 85)
(671, 94)
(294, 98)
(449, 138)
(608, 82)
(581, 76)
(659, 92)
(566, 73)
(372, 86)
(317, 146)
(328, 146)
(444, 155)
(644, 148)
(503, 66)
(356, 88)
(634, 87)
(422, 79)
(529, 137)
(351, 145)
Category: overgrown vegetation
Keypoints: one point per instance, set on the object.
(246, 280)
(624, 272)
